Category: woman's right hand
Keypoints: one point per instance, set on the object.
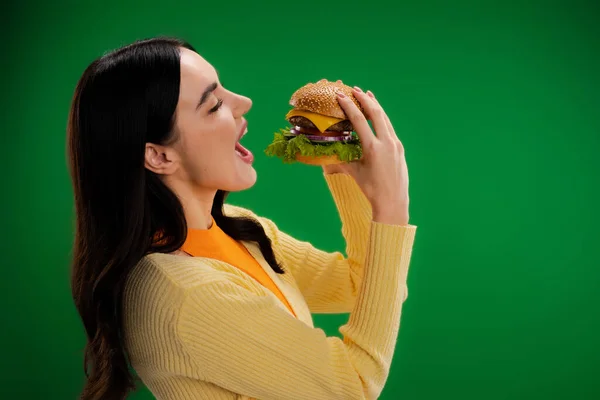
(381, 173)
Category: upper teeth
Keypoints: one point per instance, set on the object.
(243, 133)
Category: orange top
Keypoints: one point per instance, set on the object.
(216, 244)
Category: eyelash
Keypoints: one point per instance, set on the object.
(215, 108)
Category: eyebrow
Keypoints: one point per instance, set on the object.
(211, 88)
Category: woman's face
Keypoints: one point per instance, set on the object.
(208, 125)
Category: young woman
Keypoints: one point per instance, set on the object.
(206, 300)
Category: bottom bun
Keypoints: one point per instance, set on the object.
(318, 160)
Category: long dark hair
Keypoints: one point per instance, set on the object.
(123, 100)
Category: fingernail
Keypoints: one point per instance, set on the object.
(370, 93)
(357, 89)
(341, 95)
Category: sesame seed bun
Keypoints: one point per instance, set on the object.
(321, 98)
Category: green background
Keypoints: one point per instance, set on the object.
(496, 102)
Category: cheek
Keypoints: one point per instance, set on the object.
(210, 153)
(217, 140)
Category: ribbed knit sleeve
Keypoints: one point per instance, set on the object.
(239, 340)
(329, 281)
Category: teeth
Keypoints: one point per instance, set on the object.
(243, 134)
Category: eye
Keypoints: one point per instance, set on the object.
(216, 107)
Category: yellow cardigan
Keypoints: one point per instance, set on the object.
(199, 328)
(216, 244)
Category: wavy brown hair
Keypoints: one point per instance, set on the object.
(123, 100)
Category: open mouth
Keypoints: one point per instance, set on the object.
(245, 154)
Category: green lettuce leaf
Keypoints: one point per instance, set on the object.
(285, 147)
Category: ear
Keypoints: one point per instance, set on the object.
(161, 160)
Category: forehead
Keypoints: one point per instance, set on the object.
(196, 74)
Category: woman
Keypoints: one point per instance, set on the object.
(206, 300)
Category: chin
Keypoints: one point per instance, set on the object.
(244, 180)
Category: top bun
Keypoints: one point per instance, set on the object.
(321, 98)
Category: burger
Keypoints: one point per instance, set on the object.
(319, 131)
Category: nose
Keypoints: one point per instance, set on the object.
(242, 105)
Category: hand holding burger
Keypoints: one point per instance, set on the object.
(382, 174)
(376, 162)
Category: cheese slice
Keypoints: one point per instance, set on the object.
(322, 122)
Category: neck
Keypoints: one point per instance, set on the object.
(197, 204)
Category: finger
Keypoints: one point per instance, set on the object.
(374, 113)
(339, 81)
(358, 120)
(387, 119)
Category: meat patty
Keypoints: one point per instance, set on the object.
(341, 126)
